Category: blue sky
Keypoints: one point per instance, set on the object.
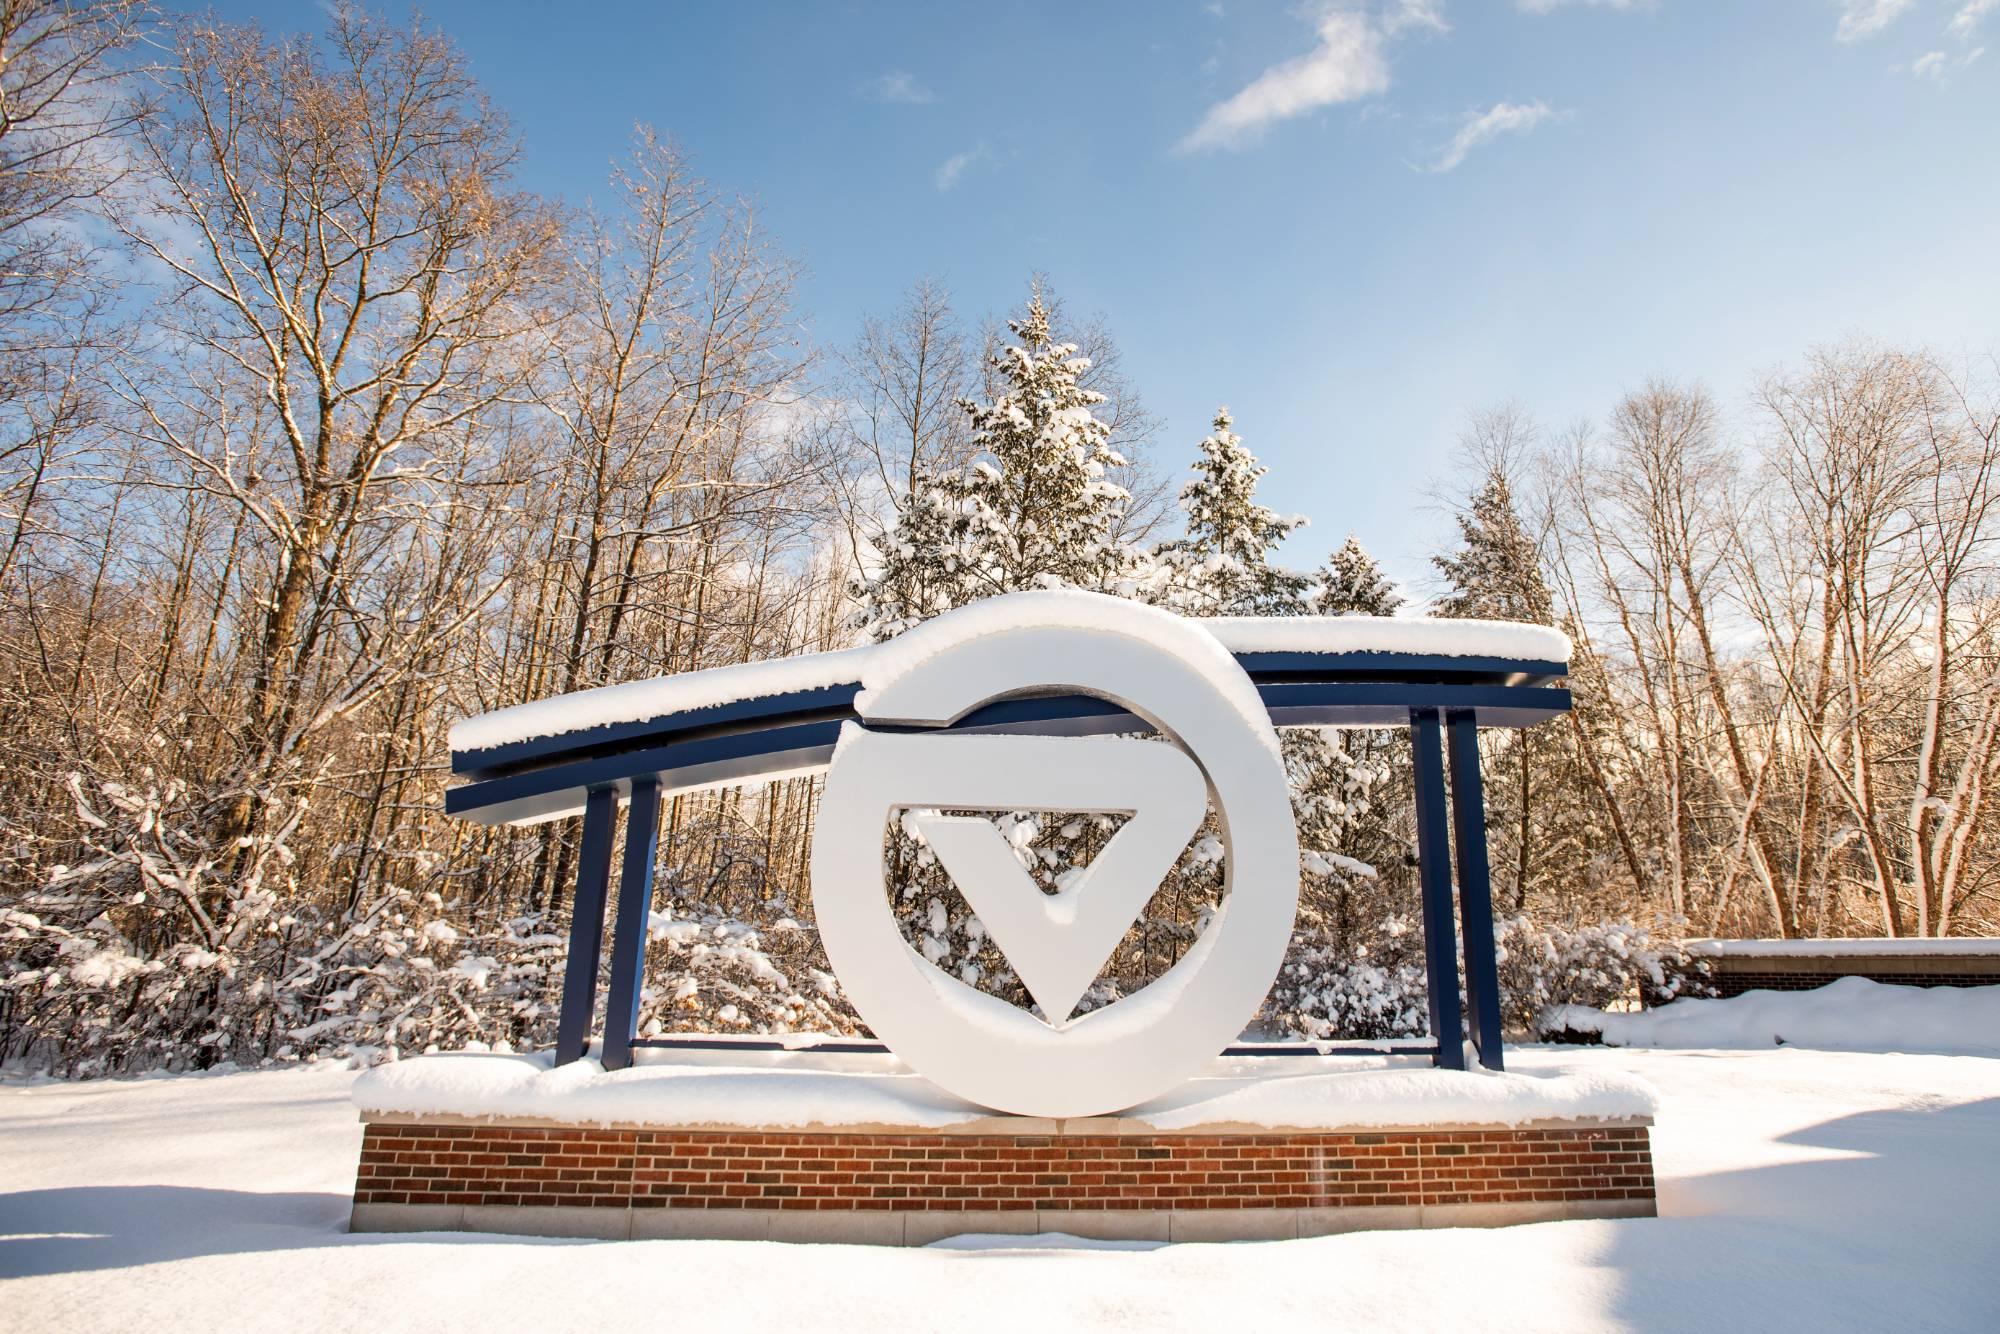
(1352, 222)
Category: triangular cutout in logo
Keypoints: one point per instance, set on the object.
(1059, 942)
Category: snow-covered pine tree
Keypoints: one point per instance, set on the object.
(1225, 566)
(1033, 510)
(1495, 575)
(1352, 584)
(1359, 815)
(1355, 968)
(1222, 565)
(1541, 806)
(1342, 802)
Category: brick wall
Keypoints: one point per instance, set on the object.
(431, 1164)
(1736, 981)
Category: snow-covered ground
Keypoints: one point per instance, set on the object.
(1799, 1189)
(1852, 1014)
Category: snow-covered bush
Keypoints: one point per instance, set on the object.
(396, 986)
(1596, 965)
(161, 949)
(1378, 987)
(1368, 990)
(707, 973)
(397, 978)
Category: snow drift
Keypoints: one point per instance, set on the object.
(1852, 1014)
(797, 1090)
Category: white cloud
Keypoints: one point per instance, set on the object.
(1936, 65)
(955, 166)
(1551, 6)
(1400, 15)
(896, 86)
(1865, 18)
(1347, 65)
(1967, 20)
(1484, 126)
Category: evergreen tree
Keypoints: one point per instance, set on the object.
(1033, 510)
(1355, 967)
(1225, 565)
(1541, 807)
(1352, 584)
(1222, 567)
(1342, 786)
(1495, 575)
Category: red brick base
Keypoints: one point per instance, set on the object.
(419, 1164)
(1737, 981)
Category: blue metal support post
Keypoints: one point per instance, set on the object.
(1434, 875)
(1475, 888)
(635, 907)
(586, 924)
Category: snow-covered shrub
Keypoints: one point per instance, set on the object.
(1594, 965)
(707, 973)
(143, 951)
(396, 978)
(1367, 990)
(1378, 987)
(389, 984)
(163, 950)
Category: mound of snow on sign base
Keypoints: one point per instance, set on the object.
(1852, 1014)
(803, 1089)
(1408, 1096)
(682, 1092)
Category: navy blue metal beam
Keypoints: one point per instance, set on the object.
(718, 720)
(1371, 704)
(1432, 668)
(1475, 889)
(635, 908)
(543, 794)
(784, 743)
(838, 700)
(1290, 704)
(1434, 876)
(586, 925)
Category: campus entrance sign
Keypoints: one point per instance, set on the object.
(1043, 701)
(1213, 746)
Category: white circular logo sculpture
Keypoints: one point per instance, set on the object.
(1219, 747)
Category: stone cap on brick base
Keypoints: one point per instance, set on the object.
(1015, 1126)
